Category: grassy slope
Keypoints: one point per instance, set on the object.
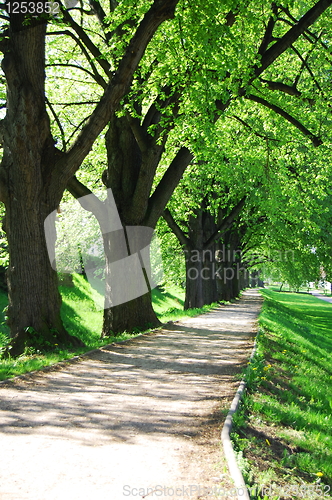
(284, 428)
(83, 319)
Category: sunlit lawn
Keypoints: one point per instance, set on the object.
(288, 412)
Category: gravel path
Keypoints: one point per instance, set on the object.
(135, 420)
(319, 295)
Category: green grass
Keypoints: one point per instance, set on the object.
(284, 427)
(79, 313)
(82, 319)
(168, 304)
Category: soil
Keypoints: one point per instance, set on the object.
(140, 419)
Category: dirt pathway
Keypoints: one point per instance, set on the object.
(134, 420)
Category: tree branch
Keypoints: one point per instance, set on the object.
(226, 223)
(62, 132)
(166, 186)
(66, 104)
(231, 16)
(99, 57)
(92, 203)
(113, 5)
(245, 124)
(77, 127)
(154, 113)
(99, 11)
(291, 36)
(137, 130)
(151, 146)
(310, 33)
(283, 87)
(305, 65)
(315, 140)
(160, 11)
(267, 39)
(98, 78)
(175, 228)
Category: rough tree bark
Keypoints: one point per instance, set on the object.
(231, 271)
(126, 161)
(201, 285)
(200, 243)
(34, 300)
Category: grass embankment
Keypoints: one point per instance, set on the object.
(82, 319)
(283, 431)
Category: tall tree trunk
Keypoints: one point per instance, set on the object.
(133, 157)
(201, 285)
(201, 243)
(209, 275)
(34, 300)
(194, 283)
(231, 274)
(34, 174)
(131, 316)
(128, 315)
(125, 161)
(128, 281)
(201, 280)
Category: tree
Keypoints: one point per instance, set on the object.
(289, 238)
(200, 238)
(34, 173)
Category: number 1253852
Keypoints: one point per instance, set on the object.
(33, 7)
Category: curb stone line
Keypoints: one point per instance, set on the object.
(234, 469)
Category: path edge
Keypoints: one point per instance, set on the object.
(58, 365)
(233, 467)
